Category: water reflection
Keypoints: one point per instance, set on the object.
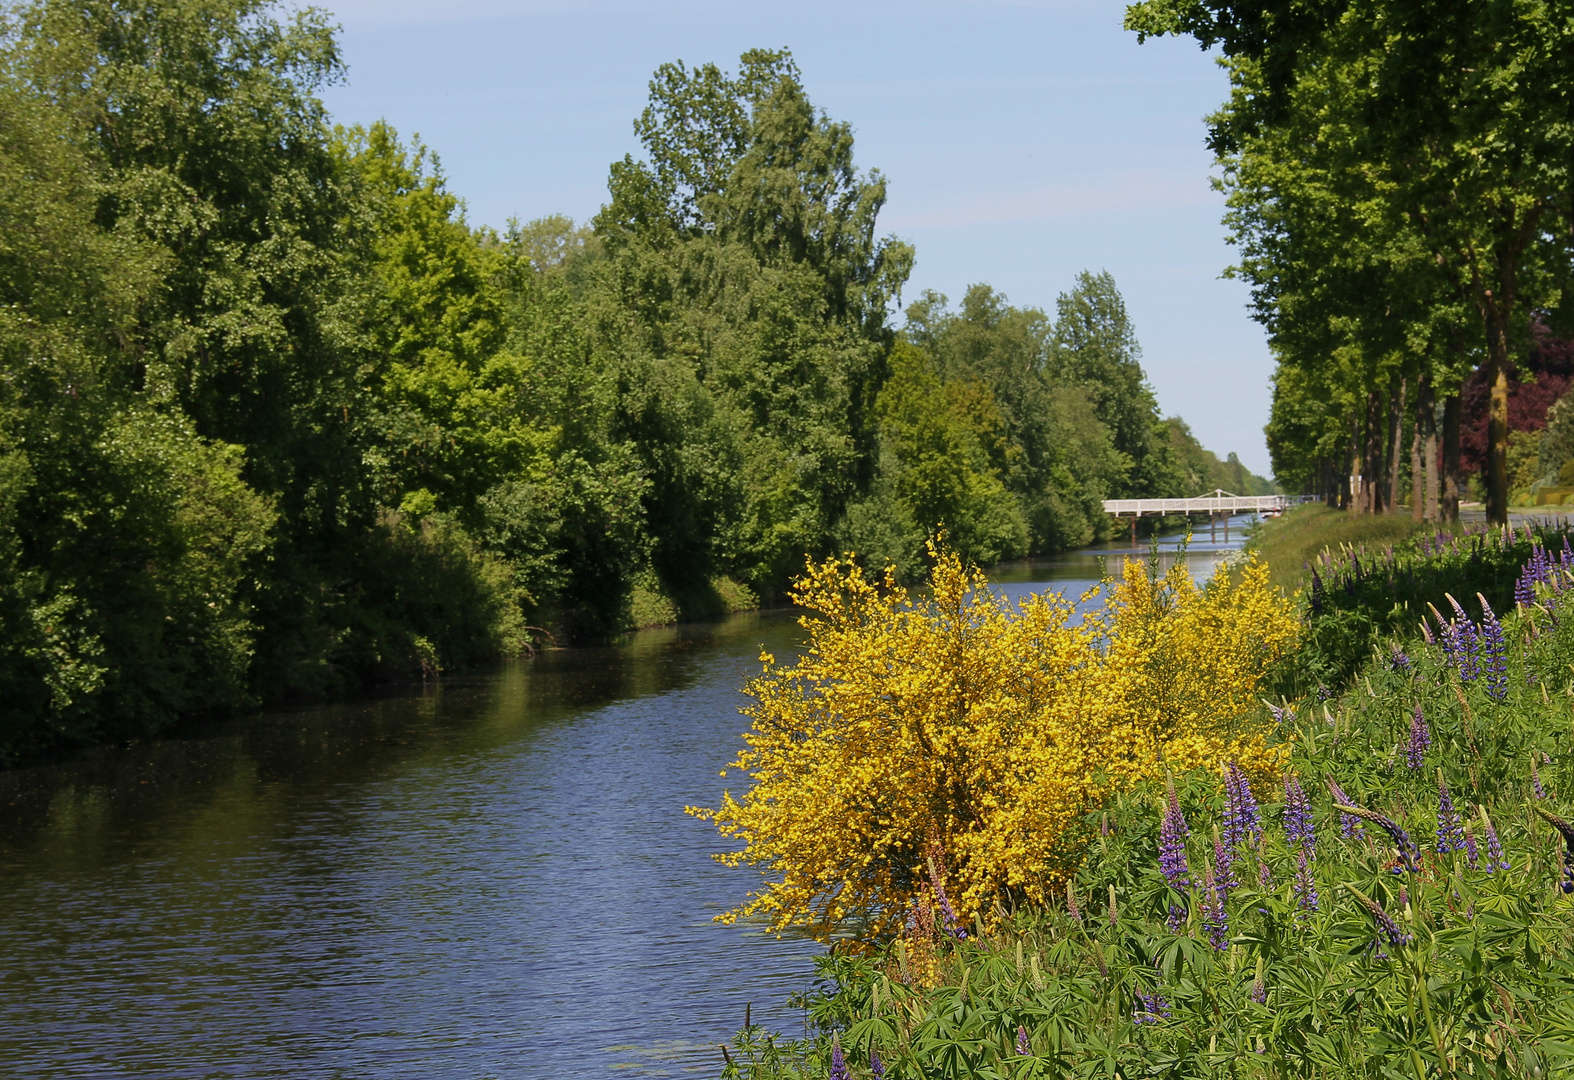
(491, 877)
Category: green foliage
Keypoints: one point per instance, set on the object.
(1292, 973)
(1356, 597)
(1201, 470)
(277, 422)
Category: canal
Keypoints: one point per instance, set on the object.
(490, 877)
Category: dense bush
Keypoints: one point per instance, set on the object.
(951, 722)
(1357, 597)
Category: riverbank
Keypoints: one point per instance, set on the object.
(1406, 843)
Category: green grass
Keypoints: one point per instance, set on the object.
(1287, 543)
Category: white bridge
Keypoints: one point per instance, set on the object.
(1216, 503)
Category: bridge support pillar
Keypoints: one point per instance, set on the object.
(1133, 532)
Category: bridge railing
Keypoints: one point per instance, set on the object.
(1206, 504)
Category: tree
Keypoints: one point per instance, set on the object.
(1457, 118)
(1096, 350)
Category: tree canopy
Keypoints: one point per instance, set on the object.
(277, 421)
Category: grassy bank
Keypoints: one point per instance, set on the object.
(1292, 541)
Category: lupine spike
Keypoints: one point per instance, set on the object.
(1386, 928)
(1172, 843)
(1495, 859)
(1420, 739)
(1409, 854)
(838, 1065)
(1305, 887)
(1349, 824)
(1297, 814)
(1450, 835)
(1494, 652)
(1215, 916)
(1242, 820)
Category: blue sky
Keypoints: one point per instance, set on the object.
(1022, 142)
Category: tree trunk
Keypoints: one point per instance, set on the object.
(1417, 464)
(1424, 485)
(1353, 481)
(1496, 369)
(1449, 508)
(1396, 431)
(1372, 457)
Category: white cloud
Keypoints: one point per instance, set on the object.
(1116, 192)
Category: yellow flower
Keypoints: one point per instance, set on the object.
(993, 730)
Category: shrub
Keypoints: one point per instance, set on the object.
(954, 729)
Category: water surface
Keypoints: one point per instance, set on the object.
(491, 877)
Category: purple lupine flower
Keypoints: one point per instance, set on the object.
(1114, 915)
(1242, 822)
(1172, 844)
(1297, 814)
(1384, 930)
(1175, 920)
(1448, 637)
(876, 1066)
(1409, 854)
(1224, 866)
(1024, 1046)
(1426, 631)
(1150, 1009)
(1305, 887)
(950, 913)
(1071, 901)
(1399, 661)
(838, 1066)
(1323, 692)
(1282, 714)
(1259, 991)
(1524, 593)
(937, 880)
(1466, 642)
(1420, 739)
(1264, 874)
(1450, 834)
(1495, 859)
(1494, 652)
(1535, 779)
(1349, 824)
(1472, 853)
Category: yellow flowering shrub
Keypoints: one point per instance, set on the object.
(953, 723)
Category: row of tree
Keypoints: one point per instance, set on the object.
(1399, 187)
(275, 420)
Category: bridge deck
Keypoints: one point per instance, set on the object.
(1219, 502)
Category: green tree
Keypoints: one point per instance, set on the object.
(1095, 349)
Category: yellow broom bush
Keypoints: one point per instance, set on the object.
(956, 724)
